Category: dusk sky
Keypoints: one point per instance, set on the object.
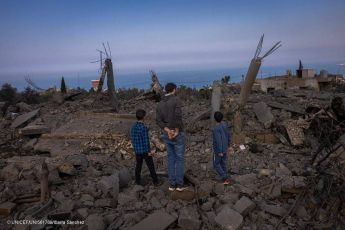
(57, 36)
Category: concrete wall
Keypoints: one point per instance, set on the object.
(288, 83)
(308, 73)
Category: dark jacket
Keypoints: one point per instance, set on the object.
(169, 113)
(221, 138)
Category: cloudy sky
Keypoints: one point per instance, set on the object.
(63, 35)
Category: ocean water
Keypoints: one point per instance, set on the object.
(194, 79)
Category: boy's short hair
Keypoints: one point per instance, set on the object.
(218, 116)
(140, 114)
(170, 87)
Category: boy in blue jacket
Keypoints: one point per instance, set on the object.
(221, 143)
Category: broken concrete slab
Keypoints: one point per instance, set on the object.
(7, 208)
(189, 218)
(158, 220)
(244, 205)
(10, 173)
(229, 219)
(35, 130)
(264, 114)
(20, 120)
(274, 209)
(23, 107)
(289, 108)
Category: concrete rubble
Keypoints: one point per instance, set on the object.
(287, 164)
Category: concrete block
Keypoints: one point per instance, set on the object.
(244, 205)
(229, 219)
(110, 185)
(189, 218)
(158, 220)
(264, 114)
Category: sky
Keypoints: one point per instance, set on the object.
(41, 36)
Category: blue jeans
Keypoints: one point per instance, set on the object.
(220, 165)
(175, 149)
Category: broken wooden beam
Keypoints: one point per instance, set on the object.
(7, 208)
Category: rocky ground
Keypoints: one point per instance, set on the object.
(287, 165)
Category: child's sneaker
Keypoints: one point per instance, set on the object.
(227, 182)
(181, 188)
(172, 188)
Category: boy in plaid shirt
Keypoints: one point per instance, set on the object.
(141, 144)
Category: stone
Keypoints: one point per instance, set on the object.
(124, 177)
(158, 220)
(245, 190)
(219, 188)
(67, 169)
(283, 171)
(189, 218)
(83, 212)
(23, 107)
(34, 130)
(86, 197)
(20, 120)
(109, 185)
(10, 173)
(30, 144)
(244, 205)
(79, 161)
(155, 203)
(7, 208)
(68, 205)
(104, 203)
(246, 179)
(264, 114)
(274, 209)
(95, 222)
(229, 219)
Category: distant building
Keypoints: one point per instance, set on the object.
(308, 80)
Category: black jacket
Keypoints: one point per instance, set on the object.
(169, 113)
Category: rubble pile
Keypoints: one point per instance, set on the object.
(288, 170)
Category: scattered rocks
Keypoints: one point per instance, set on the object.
(244, 205)
(189, 218)
(229, 219)
(95, 222)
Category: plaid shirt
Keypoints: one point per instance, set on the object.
(140, 138)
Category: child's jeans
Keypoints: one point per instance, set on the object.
(149, 162)
(220, 165)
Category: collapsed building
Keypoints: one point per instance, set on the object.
(304, 79)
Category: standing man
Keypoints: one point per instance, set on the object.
(169, 119)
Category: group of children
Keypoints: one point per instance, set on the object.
(141, 145)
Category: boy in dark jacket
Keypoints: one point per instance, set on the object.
(221, 143)
(141, 144)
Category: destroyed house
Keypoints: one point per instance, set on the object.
(307, 80)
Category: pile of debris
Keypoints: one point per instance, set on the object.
(73, 160)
